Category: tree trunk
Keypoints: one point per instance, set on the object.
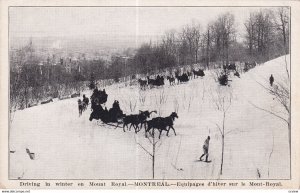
(283, 31)
(221, 172)
(207, 50)
(153, 157)
(223, 138)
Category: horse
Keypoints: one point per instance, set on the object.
(190, 74)
(150, 81)
(159, 81)
(171, 80)
(183, 78)
(136, 119)
(80, 107)
(143, 83)
(198, 73)
(162, 124)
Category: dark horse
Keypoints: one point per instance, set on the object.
(171, 80)
(198, 73)
(162, 124)
(190, 74)
(143, 83)
(183, 78)
(159, 81)
(136, 119)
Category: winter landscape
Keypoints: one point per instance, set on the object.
(228, 79)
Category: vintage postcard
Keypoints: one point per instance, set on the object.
(140, 94)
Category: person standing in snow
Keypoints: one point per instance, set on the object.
(271, 79)
(205, 149)
(85, 100)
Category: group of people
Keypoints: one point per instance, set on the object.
(98, 96)
(98, 112)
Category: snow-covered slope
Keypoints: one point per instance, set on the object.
(67, 146)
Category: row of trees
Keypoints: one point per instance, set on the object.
(33, 79)
(191, 45)
(267, 33)
(266, 36)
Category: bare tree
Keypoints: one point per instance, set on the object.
(155, 143)
(250, 35)
(206, 44)
(170, 44)
(224, 35)
(224, 109)
(282, 24)
(191, 35)
(267, 33)
(222, 100)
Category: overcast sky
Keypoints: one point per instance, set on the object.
(113, 22)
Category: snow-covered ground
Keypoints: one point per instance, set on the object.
(67, 146)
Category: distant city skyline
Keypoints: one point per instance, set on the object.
(132, 25)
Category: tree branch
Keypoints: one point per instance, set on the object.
(233, 130)
(142, 147)
(219, 129)
(145, 149)
(270, 113)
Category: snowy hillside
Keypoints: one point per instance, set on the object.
(67, 146)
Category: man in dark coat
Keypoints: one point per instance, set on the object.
(271, 79)
(86, 100)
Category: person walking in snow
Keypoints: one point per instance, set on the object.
(271, 79)
(205, 149)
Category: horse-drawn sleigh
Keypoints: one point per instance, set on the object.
(113, 116)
